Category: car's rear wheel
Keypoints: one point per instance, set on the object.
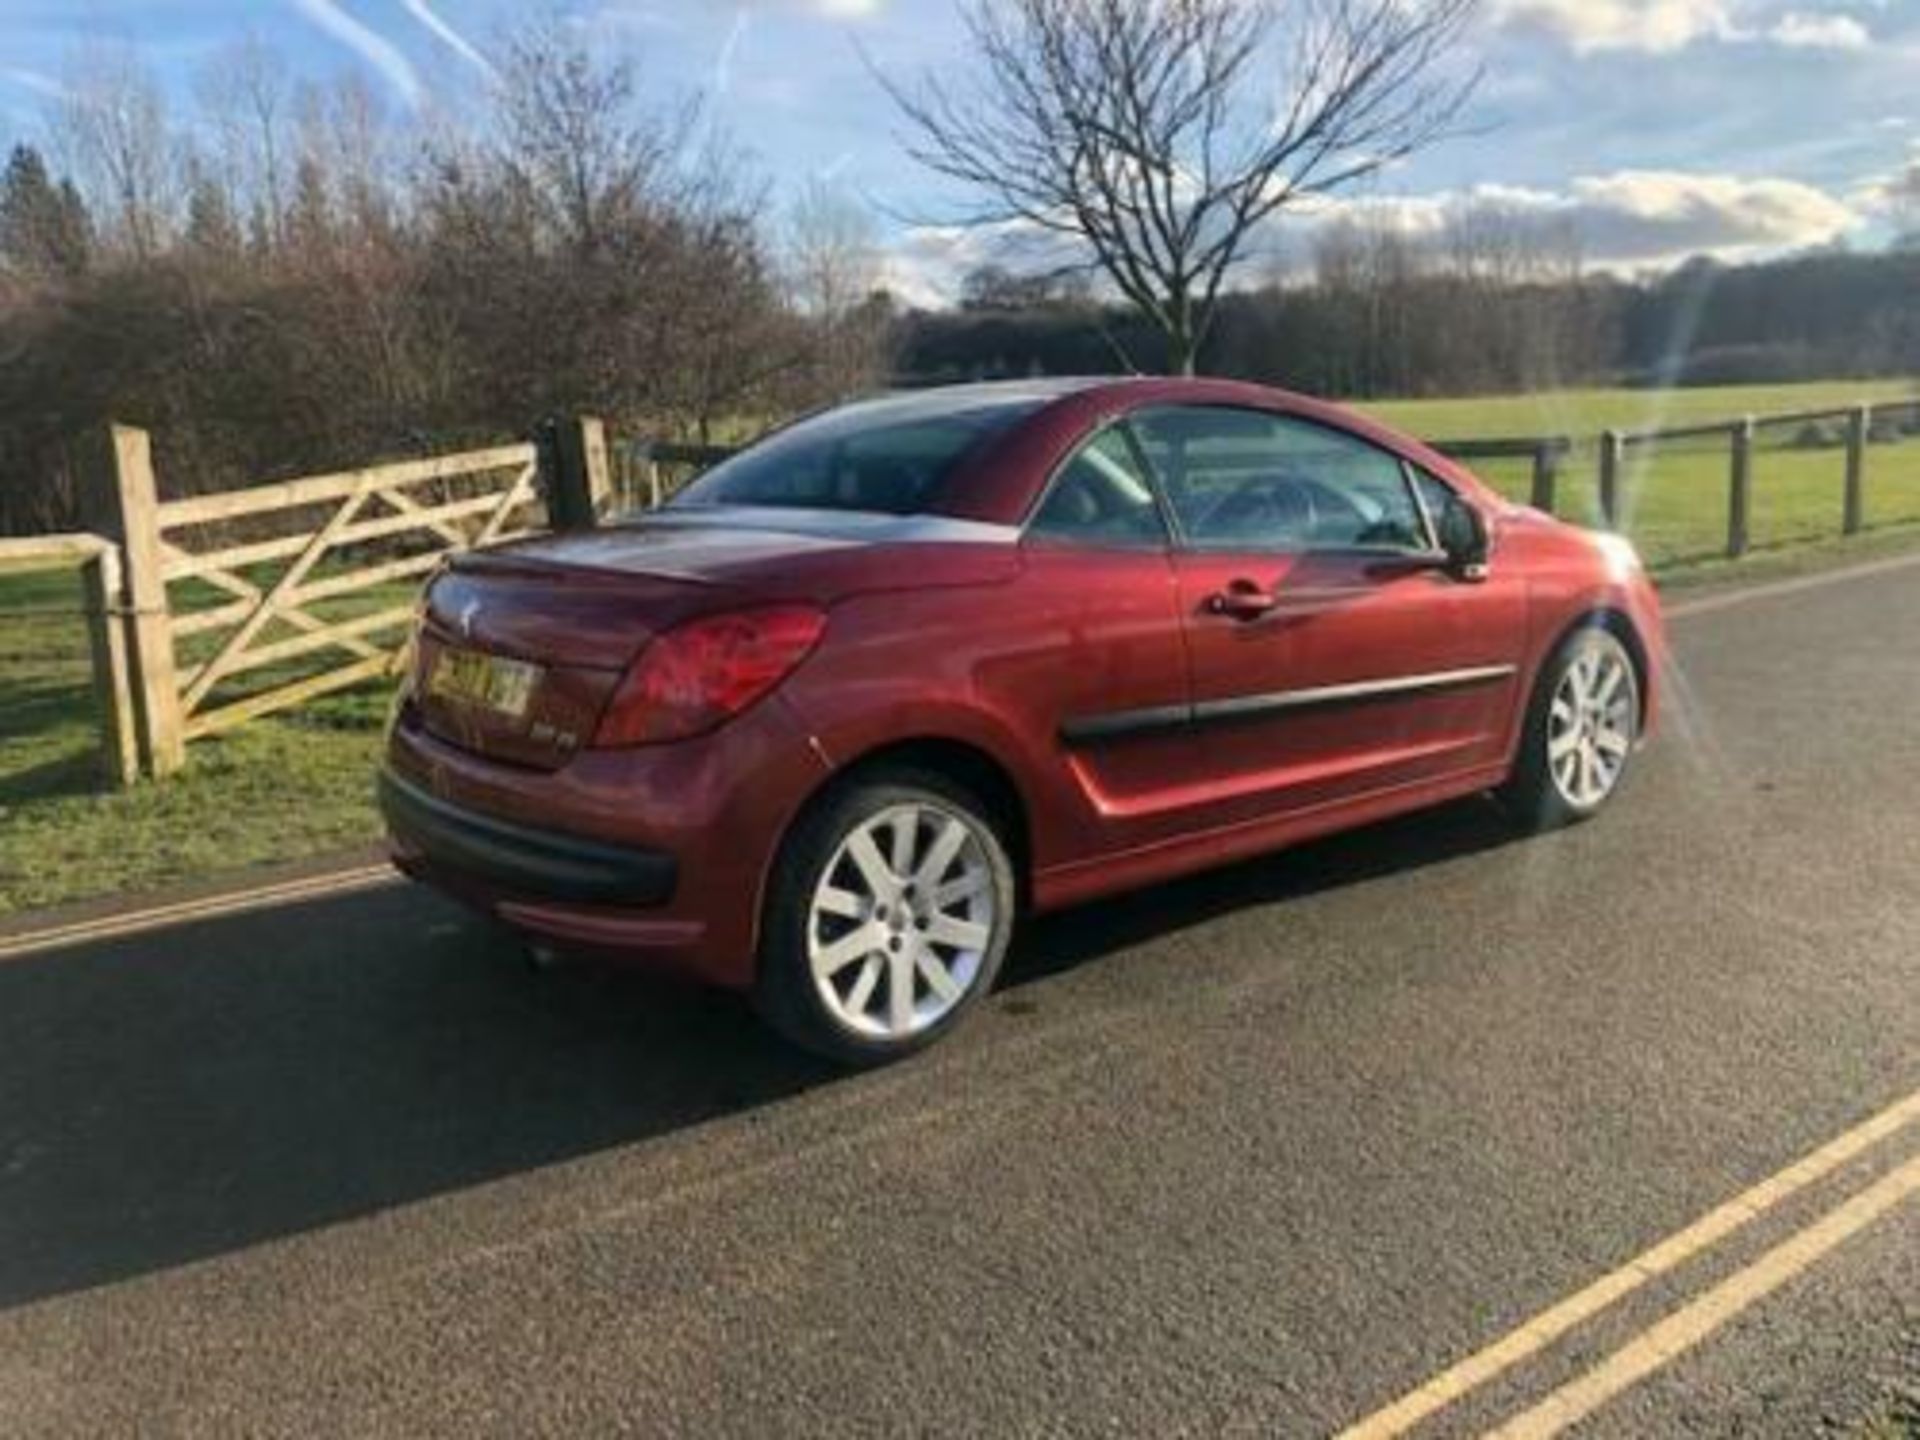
(889, 915)
(1580, 732)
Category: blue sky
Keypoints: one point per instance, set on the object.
(1653, 127)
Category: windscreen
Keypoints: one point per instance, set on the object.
(886, 456)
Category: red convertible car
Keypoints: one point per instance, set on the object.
(823, 728)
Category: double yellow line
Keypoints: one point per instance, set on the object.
(231, 902)
(1690, 1324)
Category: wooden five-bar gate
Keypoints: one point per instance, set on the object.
(244, 602)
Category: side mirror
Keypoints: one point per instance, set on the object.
(1464, 539)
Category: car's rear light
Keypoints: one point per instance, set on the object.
(699, 675)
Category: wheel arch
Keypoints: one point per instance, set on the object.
(1617, 623)
(967, 764)
(1601, 614)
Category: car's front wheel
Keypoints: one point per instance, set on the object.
(1580, 732)
(889, 915)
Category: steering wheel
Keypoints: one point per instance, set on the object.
(1266, 507)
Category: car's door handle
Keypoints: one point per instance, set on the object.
(1242, 600)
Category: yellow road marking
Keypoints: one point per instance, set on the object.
(1550, 1324)
(1694, 1322)
(157, 917)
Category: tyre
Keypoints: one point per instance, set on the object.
(1581, 728)
(888, 917)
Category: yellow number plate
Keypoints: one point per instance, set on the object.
(488, 682)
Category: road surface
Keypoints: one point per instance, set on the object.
(1261, 1153)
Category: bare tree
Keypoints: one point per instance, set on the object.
(243, 93)
(113, 120)
(1161, 134)
(575, 138)
(833, 254)
(833, 270)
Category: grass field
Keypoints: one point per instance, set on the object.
(301, 783)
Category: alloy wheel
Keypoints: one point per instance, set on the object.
(901, 920)
(1590, 725)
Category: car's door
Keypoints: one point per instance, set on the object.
(1329, 655)
(1106, 676)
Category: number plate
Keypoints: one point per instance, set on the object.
(487, 682)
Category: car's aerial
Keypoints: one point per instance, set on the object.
(823, 728)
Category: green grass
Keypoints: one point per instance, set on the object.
(300, 783)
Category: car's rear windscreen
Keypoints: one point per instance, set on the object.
(890, 456)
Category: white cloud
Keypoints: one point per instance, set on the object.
(1655, 25)
(845, 9)
(1819, 32)
(1643, 217)
(1626, 220)
(1660, 214)
(1893, 193)
(372, 47)
(926, 265)
(1663, 26)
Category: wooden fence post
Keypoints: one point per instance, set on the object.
(1740, 488)
(583, 479)
(1612, 448)
(122, 503)
(1859, 426)
(1546, 473)
(112, 689)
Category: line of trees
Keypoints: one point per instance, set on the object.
(287, 277)
(1488, 305)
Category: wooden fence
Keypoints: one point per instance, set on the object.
(301, 586)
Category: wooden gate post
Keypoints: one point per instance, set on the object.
(1740, 488)
(1612, 447)
(582, 480)
(1859, 426)
(121, 502)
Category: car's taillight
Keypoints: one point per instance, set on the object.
(695, 677)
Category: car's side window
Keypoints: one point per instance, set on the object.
(1246, 479)
(1101, 497)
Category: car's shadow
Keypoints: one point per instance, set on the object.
(185, 1093)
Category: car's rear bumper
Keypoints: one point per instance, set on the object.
(656, 856)
(521, 859)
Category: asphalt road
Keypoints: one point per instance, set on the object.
(1256, 1153)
